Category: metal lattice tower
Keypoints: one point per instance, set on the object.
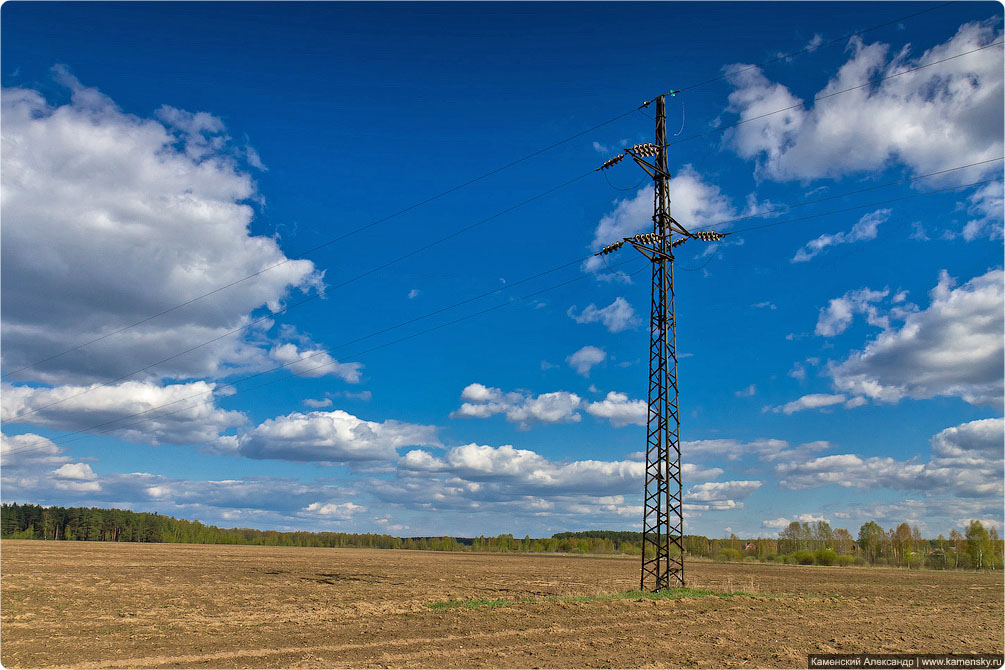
(663, 516)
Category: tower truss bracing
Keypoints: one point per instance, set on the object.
(663, 511)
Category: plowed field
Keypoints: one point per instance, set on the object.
(95, 605)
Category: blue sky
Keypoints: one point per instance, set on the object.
(844, 364)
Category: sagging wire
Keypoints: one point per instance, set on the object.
(653, 118)
(619, 273)
(709, 260)
(85, 433)
(632, 274)
(618, 188)
(681, 119)
(611, 270)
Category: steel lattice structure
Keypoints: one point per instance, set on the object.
(663, 516)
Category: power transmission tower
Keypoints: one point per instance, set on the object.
(663, 516)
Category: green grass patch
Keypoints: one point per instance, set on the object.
(666, 594)
(468, 604)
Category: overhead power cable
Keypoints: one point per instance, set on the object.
(335, 287)
(331, 241)
(90, 430)
(332, 349)
(870, 204)
(785, 208)
(450, 190)
(84, 432)
(460, 231)
(830, 95)
(810, 49)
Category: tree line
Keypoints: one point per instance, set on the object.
(801, 543)
(816, 542)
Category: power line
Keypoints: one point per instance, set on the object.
(371, 271)
(89, 429)
(841, 211)
(715, 252)
(870, 204)
(349, 234)
(449, 191)
(785, 208)
(331, 349)
(830, 95)
(814, 48)
(618, 188)
(481, 222)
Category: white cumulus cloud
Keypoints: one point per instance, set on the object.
(952, 348)
(75, 477)
(620, 410)
(718, 496)
(616, 317)
(486, 471)
(314, 362)
(966, 461)
(584, 359)
(133, 411)
(944, 115)
(811, 401)
(866, 229)
(696, 204)
(333, 510)
(519, 407)
(764, 449)
(318, 403)
(29, 450)
(332, 437)
(109, 218)
(835, 318)
(74, 471)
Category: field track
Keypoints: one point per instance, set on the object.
(103, 605)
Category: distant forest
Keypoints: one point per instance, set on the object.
(977, 548)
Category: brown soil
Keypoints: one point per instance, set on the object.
(102, 605)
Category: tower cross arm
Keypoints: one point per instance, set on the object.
(676, 226)
(654, 245)
(702, 235)
(640, 152)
